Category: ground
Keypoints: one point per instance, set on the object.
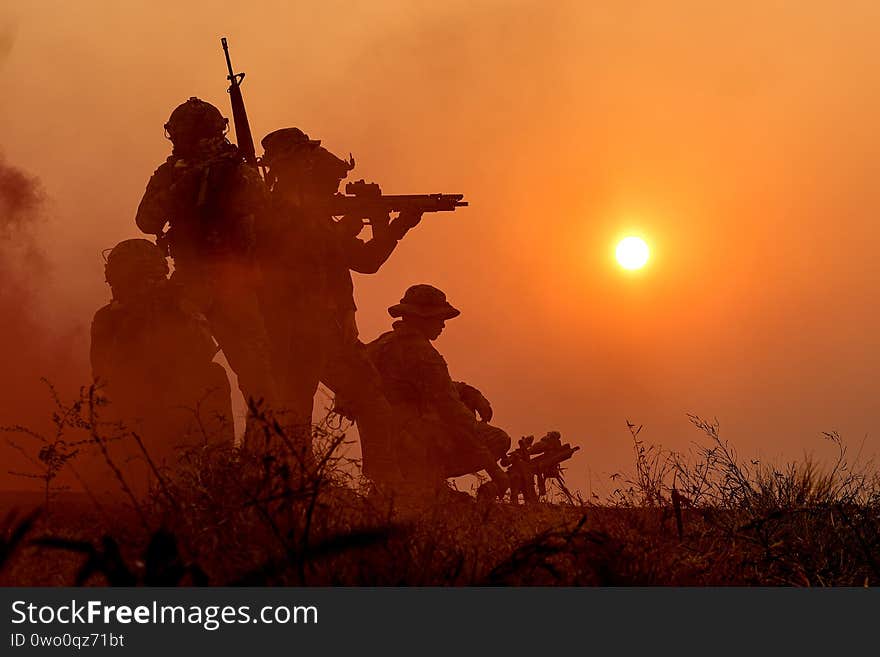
(269, 515)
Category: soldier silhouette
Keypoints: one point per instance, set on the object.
(152, 354)
(211, 200)
(308, 296)
(441, 412)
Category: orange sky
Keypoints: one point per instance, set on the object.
(739, 140)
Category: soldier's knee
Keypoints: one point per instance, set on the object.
(497, 441)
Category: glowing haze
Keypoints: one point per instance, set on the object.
(742, 137)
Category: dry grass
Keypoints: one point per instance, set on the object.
(274, 516)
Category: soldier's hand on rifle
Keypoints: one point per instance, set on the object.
(409, 218)
(474, 400)
(350, 225)
(484, 408)
(380, 221)
(406, 220)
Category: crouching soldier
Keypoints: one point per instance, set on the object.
(440, 412)
(152, 355)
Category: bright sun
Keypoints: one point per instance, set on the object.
(632, 253)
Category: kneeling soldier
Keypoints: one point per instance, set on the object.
(153, 356)
(440, 412)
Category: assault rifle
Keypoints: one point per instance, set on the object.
(532, 464)
(239, 114)
(365, 201)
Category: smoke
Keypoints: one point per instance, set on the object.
(7, 39)
(8, 32)
(22, 263)
(33, 343)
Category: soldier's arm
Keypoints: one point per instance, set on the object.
(427, 370)
(252, 206)
(368, 257)
(474, 400)
(154, 209)
(256, 195)
(441, 392)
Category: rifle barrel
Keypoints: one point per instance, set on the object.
(228, 61)
(367, 205)
(239, 115)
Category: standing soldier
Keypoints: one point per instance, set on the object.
(440, 411)
(309, 294)
(152, 354)
(210, 197)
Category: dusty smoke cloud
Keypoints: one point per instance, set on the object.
(7, 40)
(20, 201)
(33, 343)
(22, 262)
(23, 344)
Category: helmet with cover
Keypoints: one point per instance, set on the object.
(193, 121)
(133, 264)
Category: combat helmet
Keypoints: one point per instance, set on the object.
(194, 120)
(424, 301)
(285, 142)
(291, 143)
(134, 260)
